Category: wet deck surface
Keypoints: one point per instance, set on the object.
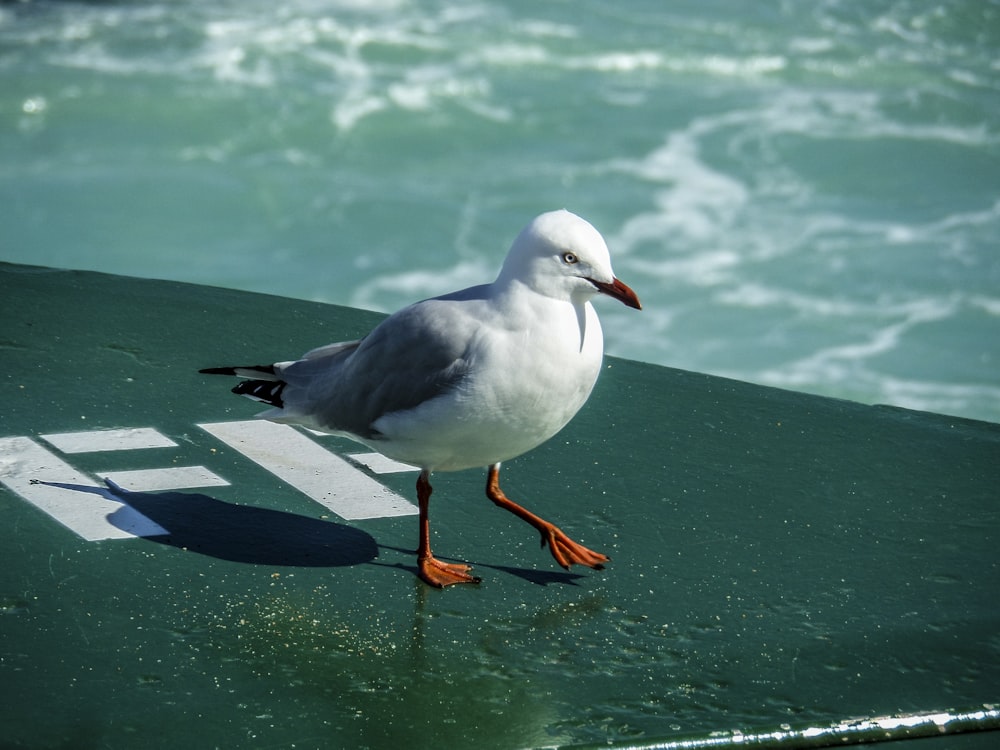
(777, 557)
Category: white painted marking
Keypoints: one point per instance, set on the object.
(109, 440)
(380, 464)
(309, 467)
(171, 478)
(69, 496)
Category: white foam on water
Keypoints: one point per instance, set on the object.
(697, 201)
(989, 304)
(724, 230)
(855, 367)
(381, 292)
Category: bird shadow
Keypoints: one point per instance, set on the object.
(263, 536)
(539, 577)
(240, 533)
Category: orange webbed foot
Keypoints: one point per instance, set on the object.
(563, 549)
(567, 552)
(440, 574)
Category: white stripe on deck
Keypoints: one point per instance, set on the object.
(79, 503)
(92, 441)
(379, 464)
(309, 467)
(170, 478)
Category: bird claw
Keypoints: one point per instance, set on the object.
(567, 552)
(440, 574)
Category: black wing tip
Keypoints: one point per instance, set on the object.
(243, 372)
(265, 391)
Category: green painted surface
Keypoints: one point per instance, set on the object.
(776, 557)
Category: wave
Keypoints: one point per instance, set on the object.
(801, 195)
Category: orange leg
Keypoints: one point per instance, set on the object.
(564, 550)
(433, 571)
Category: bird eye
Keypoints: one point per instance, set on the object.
(569, 258)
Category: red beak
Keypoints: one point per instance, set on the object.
(620, 291)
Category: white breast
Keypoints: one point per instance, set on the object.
(525, 384)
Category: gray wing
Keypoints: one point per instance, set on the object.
(415, 355)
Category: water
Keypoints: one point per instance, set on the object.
(803, 194)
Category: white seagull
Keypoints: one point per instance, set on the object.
(468, 379)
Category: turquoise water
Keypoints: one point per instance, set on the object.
(804, 194)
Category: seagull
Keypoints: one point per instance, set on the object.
(466, 380)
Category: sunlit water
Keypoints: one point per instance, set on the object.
(803, 194)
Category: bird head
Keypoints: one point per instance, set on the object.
(562, 256)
